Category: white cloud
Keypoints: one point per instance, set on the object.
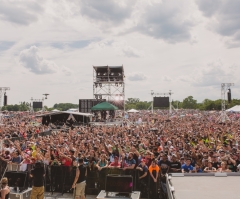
(137, 76)
(166, 20)
(107, 11)
(166, 78)
(223, 18)
(20, 13)
(34, 62)
(121, 47)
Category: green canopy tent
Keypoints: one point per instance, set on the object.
(104, 106)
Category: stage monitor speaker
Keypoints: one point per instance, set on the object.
(5, 100)
(37, 105)
(17, 179)
(119, 183)
(229, 96)
(161, 102)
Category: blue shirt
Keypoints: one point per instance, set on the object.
(187, 168)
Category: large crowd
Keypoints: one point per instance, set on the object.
(187, 141)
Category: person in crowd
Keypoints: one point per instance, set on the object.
(210, 168)
(187, 168)
(115, 164)
(223, 167)
(143, 170)
(154, 175)
(102, 163)
(5, 189)
(175, 166)
(197, 169)
(130, 162)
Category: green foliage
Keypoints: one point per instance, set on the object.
(189, 103)
(65, 106)
(135, 103)
(23, 106)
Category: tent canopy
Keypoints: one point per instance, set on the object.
(133, 111)
(55, 110)
(104, 106)
(234, 109)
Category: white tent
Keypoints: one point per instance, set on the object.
(55, 110)
(234, 109)
(133, 111)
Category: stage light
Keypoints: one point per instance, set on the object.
(112, 74)
(100, 84)
(100, 96)
(120, 84)
(96, 96)
(99, 74)
(116, 84)
(96, 85)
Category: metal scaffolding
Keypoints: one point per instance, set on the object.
(224, 87)
(108, 83)
(2, 91)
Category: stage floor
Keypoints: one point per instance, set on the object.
(206, 187)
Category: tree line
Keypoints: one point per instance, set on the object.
(135, 103)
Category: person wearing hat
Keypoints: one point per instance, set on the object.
(142, 175)
(142, 167)
(5, 190)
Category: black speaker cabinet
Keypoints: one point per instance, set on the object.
(17, 179)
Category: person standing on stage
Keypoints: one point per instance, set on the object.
(80, 180)
(37, 174)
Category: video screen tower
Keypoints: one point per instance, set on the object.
(108, 83)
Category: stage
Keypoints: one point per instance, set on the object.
(205, 185)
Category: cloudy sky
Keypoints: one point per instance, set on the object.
(187, 46)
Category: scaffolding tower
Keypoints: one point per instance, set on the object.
(108, 83)
(223, 116)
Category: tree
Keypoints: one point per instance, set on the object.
(132, 100)
(65, 106)
(189, 103)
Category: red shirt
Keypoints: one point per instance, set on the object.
(114, 164)
(66, 162)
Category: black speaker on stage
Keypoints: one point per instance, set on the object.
(229, 95)
(119, 183)
(17, 180)
(5, 100)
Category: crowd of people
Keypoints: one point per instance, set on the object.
(154, 144)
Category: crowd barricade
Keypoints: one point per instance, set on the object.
(60, 178)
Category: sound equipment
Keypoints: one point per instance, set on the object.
(85, 105)
(229, 96)
(5, 100)
(161, 102)
(17, 179)
(38, 105)
(119, 183)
